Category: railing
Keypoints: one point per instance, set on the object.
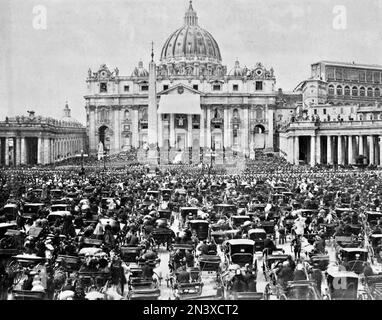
(34, 122)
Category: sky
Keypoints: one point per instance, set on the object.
(44, 65)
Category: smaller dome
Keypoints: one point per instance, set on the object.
(140, 71)
(237, 71)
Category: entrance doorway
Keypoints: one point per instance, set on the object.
(258, 137)
(104, 137)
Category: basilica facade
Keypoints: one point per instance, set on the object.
(189, 101)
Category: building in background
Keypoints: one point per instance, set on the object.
(340, 120)
(31, 140)
(188, 102)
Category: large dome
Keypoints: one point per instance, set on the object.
(191, 42)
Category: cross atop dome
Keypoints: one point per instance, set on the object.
(190, 18)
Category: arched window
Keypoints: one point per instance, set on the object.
(369, 92)
(354, 91)
(360, 117)
(127, 114)
(339, 90)
(331, 90)
(347, 91)
(235, 114)
(259, 113)
(362, 91)
(377, 92)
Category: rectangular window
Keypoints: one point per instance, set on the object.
(369, 76)
(362, 76)
(144, 125)
(259, 85)
(315, 111)
(165, 86)
(145, 88)
(216, 87)
(165, 116)
(126, 88)
(324, 111)
(103, 87)
(377, 77)
(195, 86)
(329, 73)
(235, 87)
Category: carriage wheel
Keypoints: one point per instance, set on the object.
(14, 270)
(267, 292)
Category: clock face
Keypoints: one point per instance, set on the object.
(103, 74)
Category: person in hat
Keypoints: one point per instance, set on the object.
(183, 275)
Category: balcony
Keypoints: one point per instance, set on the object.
(218, 121)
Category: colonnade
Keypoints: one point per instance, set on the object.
(335, 149)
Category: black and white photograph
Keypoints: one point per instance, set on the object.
(212, 151)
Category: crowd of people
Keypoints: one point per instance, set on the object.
(113, 207)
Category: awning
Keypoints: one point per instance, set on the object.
(180, 103)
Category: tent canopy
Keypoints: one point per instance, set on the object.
(180, 103)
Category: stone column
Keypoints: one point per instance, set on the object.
(40, 150)
(46, 151)
(18, 151)
(189, 130)
(134, 129)
(360, 145)
(329, 158)
(7, 151)
(202, 129)
(312, 151)
(371, 149)
(172, 130)
(245, 130)
(290, 155)
(296, 149)
(23, 151)
(380, 150)
(117, 130)
(208, 136)
(340, 151)
(318, 149)
(350, 150)
(51, 155)
(270, 128)
(226, 129)
(92, 130)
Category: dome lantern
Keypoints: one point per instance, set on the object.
(190, 18)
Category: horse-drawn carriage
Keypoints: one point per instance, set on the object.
(240, 252)
(187, 213)
(238, 220)
(200, 227)
(342, 285)
(258, 235)
(10, 211)
(224, 209)
(300, 290)
(31, 210)
(162, 234)
(29, 277)
(353, 258)
(372, 287)
(140, 286)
